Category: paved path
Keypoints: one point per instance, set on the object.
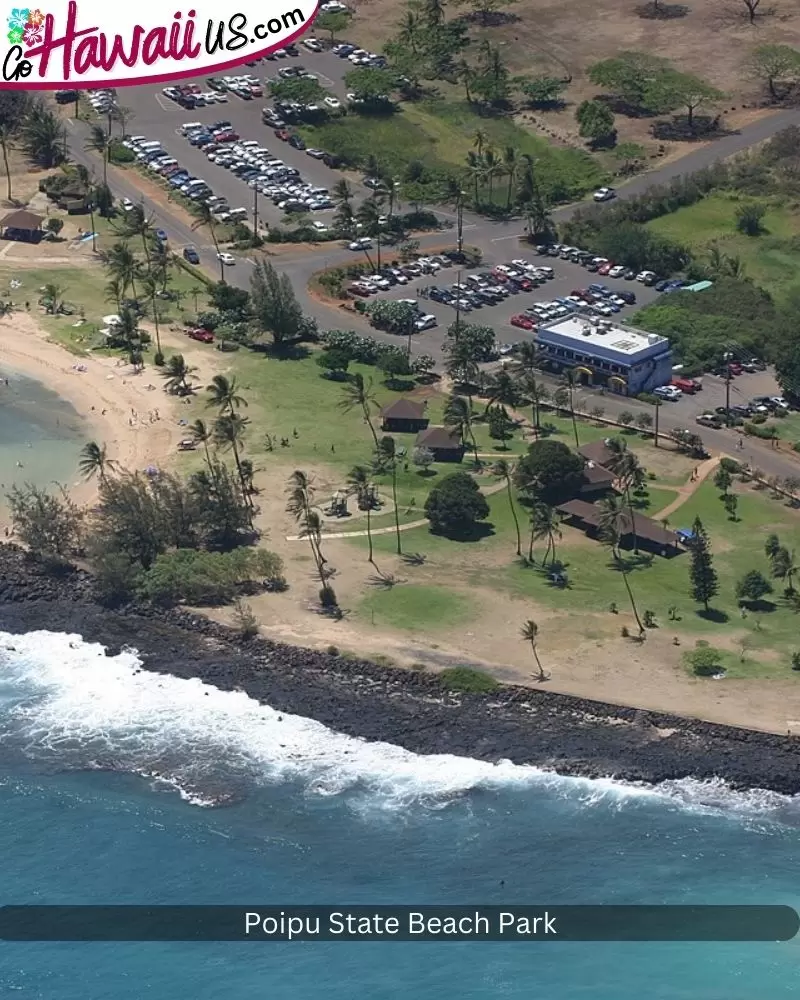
(704, 470)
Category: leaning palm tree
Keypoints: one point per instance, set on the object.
(342, 193)
(613, 525)
(570, 390)
(301, 506)
(151, 290)
(99, 141)
(205, 218)
(368, 215)
(229, 433)
(360, 394)
(458, 415)
(387, 456)
(476, 171)
(176, 375)
(529, 633)
(359, 483)
(503, 469)
(94, 461)
(86, 180)
(546, 524)
(201, 434)
(224, 393)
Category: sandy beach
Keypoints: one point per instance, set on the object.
(115, 402)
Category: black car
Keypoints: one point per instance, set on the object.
(438, 294)
(629, 275)
(190, 254)
(626, 296)
(661, 286)
(296, 142)
(331, 161)
(66, 96)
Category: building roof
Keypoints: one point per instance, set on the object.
(22, 220)
(593, 332)
(404, 409)
(646, 528)
(597, 475)
(597, 452)
(445, 438)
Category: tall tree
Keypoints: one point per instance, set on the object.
(613, 525)
(359, 481)
(275, 305)
(458, 415)
(529, 633)
(387, 456)
(176, 375)
(359, 394)
(224, 395)
(702, 575)
(503, 469)
(545, 524)
(94, 461)
(229, 432)
(98, 141)
(6, 138)
(201, 434)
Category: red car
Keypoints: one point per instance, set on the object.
(735, 368)
(204, 336)
(359, 290)
(227, 137)
(605, 268)
(578, 292)
(256, 90)
(282, 134)
(525, 322)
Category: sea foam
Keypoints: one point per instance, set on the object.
(64, 701)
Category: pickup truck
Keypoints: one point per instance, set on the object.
(204, 336)
(687, 385)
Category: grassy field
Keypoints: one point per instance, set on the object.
(771, 259)
(415, 608)
(439, 134)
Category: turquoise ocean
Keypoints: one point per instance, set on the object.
(121, 786)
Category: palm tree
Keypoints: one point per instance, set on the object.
(6, 135)
(151, 289)
(205, 218)
(492, 168)
(368, 215)
(613, 525)
(342, 192)
(466, 74)
(195, 291)
(121, 264)
(85, 177)
(360, 394)
(53, 294)
(545, 524)
(500, 388)
(300, 505)
(202, 435)
(626, 467)
(454, 195)
(44, 136)
(529, 633)
(458, 414)
(94, 461)
(176, 373)
(224, 394)
(229, 433)
(387, 455)
(511, 165)
(479, 140)
(504, 470)
(410, 28)
(358, 480)
(99, 141)
(476, 171)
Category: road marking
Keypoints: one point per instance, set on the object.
(160, 102)
(70, 123)
(499, 239)
(326, 80)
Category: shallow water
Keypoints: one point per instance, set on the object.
(318, 817)
(39, 430)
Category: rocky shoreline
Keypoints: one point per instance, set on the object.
(571, 736)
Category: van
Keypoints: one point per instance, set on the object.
(190, 127)
(146, 147)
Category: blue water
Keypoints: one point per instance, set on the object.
(319, 818)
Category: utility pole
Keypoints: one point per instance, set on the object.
(657, 406)
(460, 223)
(458, 305)
(255, 213)
(727, 359)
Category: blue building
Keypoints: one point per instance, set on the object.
(602, 352)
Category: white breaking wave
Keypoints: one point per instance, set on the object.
(62, 698)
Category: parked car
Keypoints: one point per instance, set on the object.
(426, 322)
(191, 254)
(668, 392)
(524, 322)
(647, 277)
(363, 243)
(161, 236)
(226, 258)
(688, 385)
(709, 420)
(204, 336)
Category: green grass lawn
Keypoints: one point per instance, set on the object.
(439, 134)
(415, 608)
(788, 427)
(771, 259)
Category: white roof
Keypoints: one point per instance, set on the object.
(596, 332)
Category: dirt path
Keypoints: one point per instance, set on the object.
(704, 470)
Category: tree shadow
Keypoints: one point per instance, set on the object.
(474, 533)
(714, 615)
(631, 562)
(294, 351)
(678, 129)
(759, 606)
(654, 11)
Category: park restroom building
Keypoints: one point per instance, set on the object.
(601, 352)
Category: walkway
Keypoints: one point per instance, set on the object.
(684, 492)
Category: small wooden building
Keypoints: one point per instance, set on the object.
(404, 416)
(23, 226)
(444, 442)
(651, 536)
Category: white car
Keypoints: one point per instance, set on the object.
(604, 194)
(320, 227)
(646, 277)
(617, 271)
(316, 154)
(365, 243)
(670, 392)
(425, 322)
(313, 44)
(332, 102)
(779, 402)
(127, 205)
(226, 258)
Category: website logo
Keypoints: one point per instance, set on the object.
(91, 44)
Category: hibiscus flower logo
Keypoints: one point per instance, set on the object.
(17, 21)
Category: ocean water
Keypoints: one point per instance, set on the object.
(39, 430)
(109, 775)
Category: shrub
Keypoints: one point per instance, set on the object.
(246, 622)
(730, 465)
(705, 662)
(467, 680)
(117, 153)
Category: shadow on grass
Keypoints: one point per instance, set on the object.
(630, 562)
(282, 352)
(760, 607)
(475, 533)
(714, 615)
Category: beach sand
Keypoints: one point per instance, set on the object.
(107, 394)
